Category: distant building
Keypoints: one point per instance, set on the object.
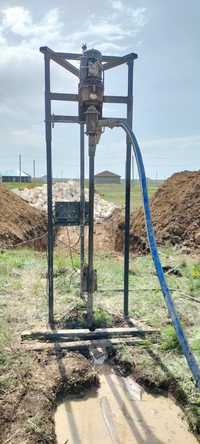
(14, 176)
(107, 177)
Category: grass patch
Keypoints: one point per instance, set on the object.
(116, 192)
(169, 340)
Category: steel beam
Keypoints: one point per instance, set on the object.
(82, 204)
(60, 61)
(64, 119)
(113, 119)
(105, 58)
(117, 62)
(64, 97)
(75, 119)
(127, 191)
(49, 188)
(74, 98)
(115, 99)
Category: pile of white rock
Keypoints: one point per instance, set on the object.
(65, 191)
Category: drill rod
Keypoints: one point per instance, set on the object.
(92, 148)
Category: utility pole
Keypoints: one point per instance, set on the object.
(20, 167)
(33, 169)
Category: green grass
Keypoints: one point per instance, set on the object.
(116, 193)
(22, 185)
(169, 340)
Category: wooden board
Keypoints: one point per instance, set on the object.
(79, 345)
(100, 333)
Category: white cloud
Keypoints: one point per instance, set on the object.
(173, 142)
(139, 16)
(18, 20)
(117, 4)
(109, 33)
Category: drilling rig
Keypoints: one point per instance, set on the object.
(90, 98)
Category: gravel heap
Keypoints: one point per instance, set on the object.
(65, 191)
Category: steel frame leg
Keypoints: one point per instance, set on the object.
(49, 190)
(82, 205)
(127, 190)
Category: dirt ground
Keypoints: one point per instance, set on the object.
(27, 411)
(26, 414)
(104, 235)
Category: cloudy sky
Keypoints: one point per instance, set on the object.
(164, 34)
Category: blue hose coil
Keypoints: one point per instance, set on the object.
(191, 360)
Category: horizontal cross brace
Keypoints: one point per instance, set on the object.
(64, 97)
(73, 56)
(65, 119)
(75, 119)
(115, 99)
(74, 98)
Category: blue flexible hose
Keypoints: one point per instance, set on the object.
(191, 360)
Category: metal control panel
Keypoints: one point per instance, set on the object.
(69, 213)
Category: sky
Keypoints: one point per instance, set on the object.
(164, 34)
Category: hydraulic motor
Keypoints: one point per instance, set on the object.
(91, 86)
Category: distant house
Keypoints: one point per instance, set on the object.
(14, 176)
(107, 177)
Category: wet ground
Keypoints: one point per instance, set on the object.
(120, 412)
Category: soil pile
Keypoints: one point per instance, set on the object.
(19, 222)
(66, 191)
(175, 209)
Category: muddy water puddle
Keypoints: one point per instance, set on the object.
(120, 412)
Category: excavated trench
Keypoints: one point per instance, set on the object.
(120, 412)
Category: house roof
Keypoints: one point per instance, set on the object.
(13, 173)
(106, 173)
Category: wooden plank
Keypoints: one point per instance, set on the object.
(64, 335)
(80, 345)
(138, 324)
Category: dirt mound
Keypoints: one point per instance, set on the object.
(175, 209)
(19, 221)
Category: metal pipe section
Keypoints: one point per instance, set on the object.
(82, 204)
(49, 188)
(92, 149)
(128, 188)
(191, 360)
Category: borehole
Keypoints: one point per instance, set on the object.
(120, 412)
